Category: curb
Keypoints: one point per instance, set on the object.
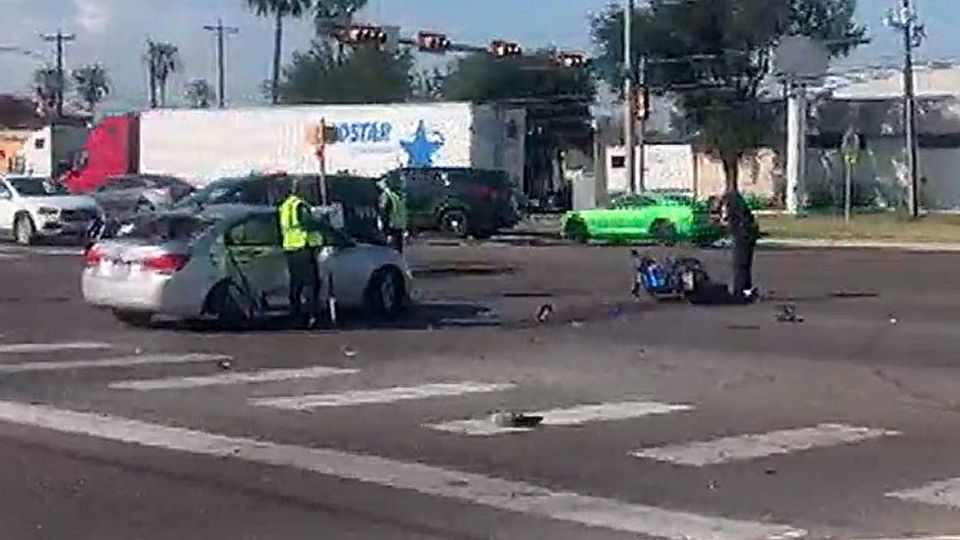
(919, 247)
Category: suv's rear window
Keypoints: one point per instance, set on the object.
(164, 228)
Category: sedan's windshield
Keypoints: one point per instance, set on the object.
(36, 187)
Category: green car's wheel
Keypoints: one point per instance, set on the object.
(576, 230)
(664, 232)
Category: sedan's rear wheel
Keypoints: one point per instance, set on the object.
(576, 230)
(454, 223)
(225, 305)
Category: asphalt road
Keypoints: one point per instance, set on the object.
(660, 421)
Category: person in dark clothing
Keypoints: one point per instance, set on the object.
(743, 229)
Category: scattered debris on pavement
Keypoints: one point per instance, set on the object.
(516, 420)
(787, 313)
(544, 313)
(225, 364)
(348, 351)
(577, 324)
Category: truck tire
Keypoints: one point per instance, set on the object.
(24, 230)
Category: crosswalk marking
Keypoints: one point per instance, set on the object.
(384, 395)
(123, 361)
(572, 416)
(940, 493)
(225, 379)
(728, 449)
(30, 348)
(491, 492)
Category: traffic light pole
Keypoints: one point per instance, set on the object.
(629, 129)
(910, 109)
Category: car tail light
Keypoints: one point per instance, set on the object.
(165, 264)
(93, 255)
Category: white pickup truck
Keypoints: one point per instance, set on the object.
(34, 207)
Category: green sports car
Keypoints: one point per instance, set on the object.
(666, 218)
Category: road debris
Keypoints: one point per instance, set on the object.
(225, 364)
(348, 351)
(544, 313)
(577, 324)
(787, 313)
(515, 420)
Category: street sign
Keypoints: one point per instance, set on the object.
(850, 146)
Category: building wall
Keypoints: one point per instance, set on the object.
(678, 167)
(880, 176)
(11, 143)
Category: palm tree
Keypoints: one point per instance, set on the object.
(200, 93)
(46, 83)
(92, 85)
(163, 60)
(278, 9)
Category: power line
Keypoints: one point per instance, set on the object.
(221, 31)
(59, 39)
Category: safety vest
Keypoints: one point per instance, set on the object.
(398, 210)
(295, 235)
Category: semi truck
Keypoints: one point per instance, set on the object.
(203, 145)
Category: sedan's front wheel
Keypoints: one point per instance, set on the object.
(386, 295)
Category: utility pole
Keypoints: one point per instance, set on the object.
(640, 113)
(910, 40)
(221, 31)
(629, 116)
(59, 39)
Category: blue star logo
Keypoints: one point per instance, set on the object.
(421, 149)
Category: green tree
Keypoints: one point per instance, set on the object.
(199, 93)
(91, 84)
(557, 98)
(719, 55)
(367, 75)
(163, 60)
(279, 9)
(428, 85)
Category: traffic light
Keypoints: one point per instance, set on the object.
(641, 103)
(364, 35)
(504, 49)
(572, 60)
(433, 42)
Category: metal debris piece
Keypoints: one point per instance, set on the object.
(225, 364)
(577, 324)
(348, 351)
(544, 313)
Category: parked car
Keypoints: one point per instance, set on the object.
(459, 201)
(357, 195)
(122, 196)
(664, 218)
(229, 265)
(32, 208)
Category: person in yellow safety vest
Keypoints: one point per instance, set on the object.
(393, 212)
(302, 240)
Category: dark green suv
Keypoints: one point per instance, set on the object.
(459, 201)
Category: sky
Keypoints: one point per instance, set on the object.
(113, 32)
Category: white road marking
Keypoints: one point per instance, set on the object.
(384, 395)
(754, 446)
(572, 416)
(226, 379)
(921, 538)
(940, 493)
(123, 361)
(492, 492)
(29, 348)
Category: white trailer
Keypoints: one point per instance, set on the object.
(203, 145)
